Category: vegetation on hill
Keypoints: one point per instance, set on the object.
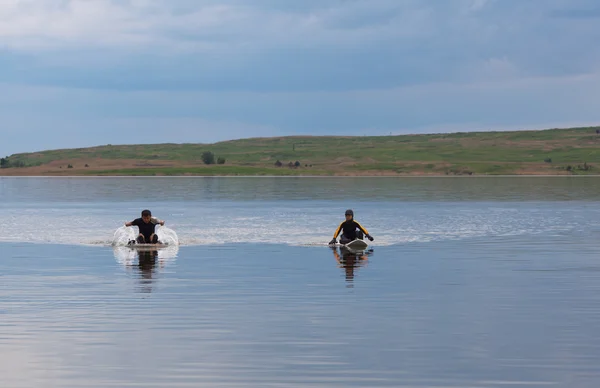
(553, 151)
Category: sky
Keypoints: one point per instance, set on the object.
(78, 73)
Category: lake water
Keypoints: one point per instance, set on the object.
(470, 282)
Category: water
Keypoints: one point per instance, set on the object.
(471, 282)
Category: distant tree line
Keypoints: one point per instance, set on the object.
(6, 163)
(209, 158)
(572, 168)
(585, 167)
(291, 164)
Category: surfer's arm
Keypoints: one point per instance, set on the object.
(337, 231)
(128, 223)
(361, 228)
(157, 221)
(335, 234)
(364, 231)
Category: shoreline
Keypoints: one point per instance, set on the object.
(312, 176)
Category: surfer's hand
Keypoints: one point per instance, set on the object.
(332, 242)
(162, 223)
(370, 237)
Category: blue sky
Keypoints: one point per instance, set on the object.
(90, 72)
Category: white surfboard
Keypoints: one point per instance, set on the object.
(356, 244)
(147, 247)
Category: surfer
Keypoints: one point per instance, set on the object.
(351, 230)
(146, 225)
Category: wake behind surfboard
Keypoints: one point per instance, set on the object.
(135, 245)
(124, 236)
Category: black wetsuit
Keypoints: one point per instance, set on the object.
(146, 229)
(348, 229)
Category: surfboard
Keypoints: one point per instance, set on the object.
(356, 244)
(147, 247)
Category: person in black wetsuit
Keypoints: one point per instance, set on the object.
(351, 230)
(146, 225)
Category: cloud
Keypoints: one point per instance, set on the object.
(99, 69)
(66, 118)
(476, 5)
(580, 9)
(327, 45)
(199, 27)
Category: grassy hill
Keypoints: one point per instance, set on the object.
(552, 151)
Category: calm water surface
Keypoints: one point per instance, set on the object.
(471, 282)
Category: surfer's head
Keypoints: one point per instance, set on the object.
(349, 214)
(146, 215)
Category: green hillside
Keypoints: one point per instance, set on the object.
(553, 151)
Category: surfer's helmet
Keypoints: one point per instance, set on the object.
(349, 212)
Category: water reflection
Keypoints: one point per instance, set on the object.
(350, 260)
(145, 263)
(146, 266)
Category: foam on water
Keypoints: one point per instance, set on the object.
(300, 212)
(305, 224)
(124, 234)
(127, 256)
